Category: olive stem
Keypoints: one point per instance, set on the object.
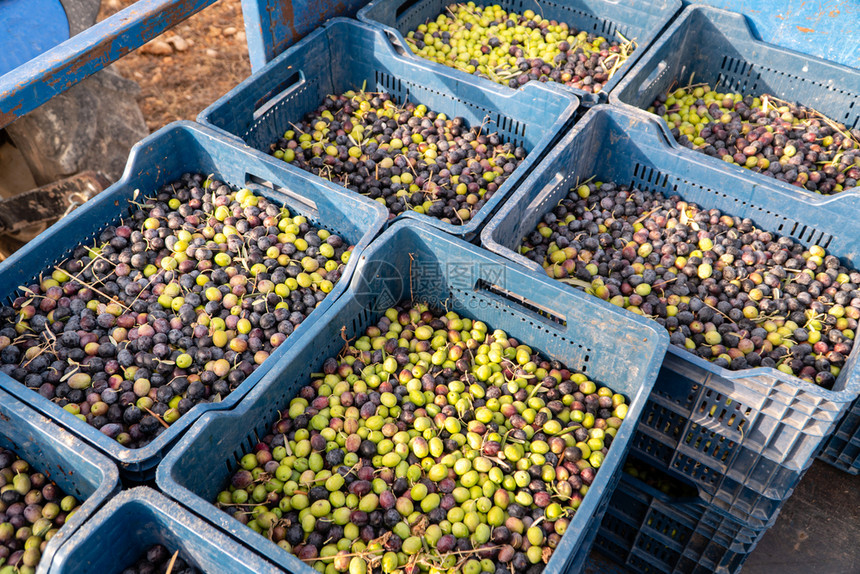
(158, 418)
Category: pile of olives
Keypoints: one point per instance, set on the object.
(724, 289)
(404, 156)
(429, 441)
(32, 510)
(174, 307)
(786, 141)
(513, 49)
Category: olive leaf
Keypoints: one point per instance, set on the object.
(69, 374)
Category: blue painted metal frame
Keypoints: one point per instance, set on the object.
(272, 26)
(34, 83)
(829, 29)
(18, 42)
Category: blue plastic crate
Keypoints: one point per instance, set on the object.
(78, 469)
(346, 55)
(418, 263)
(843, 448)
(641, 20)
(719, 48)
(159, 159)
(649, 531)
(133, 521)
(744, 437)
(598, 563)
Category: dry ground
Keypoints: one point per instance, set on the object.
(189, 66)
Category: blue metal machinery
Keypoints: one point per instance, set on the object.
(38, 80)
(16, 17)
(829, 28)
(271, 26)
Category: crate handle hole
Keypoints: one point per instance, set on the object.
(395, 43)
(276, 94)
(653, 77)
(507, 295)
(308, 206)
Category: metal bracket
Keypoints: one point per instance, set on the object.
(48, 203)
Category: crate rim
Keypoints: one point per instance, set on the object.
(588, 99)
(474, 225)
(680, 19)
(137, 460)
(162, 505)
(851, 383)
(614, 459)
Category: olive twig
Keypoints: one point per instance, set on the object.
(157, 417)
(102, 293)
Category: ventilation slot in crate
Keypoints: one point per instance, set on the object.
(709, 443)
(851, 119)
(672, 529)
(643, 564)
(682, 395)
(649, 179)
(617, 526)
(810, 235)
(730, 414)
(737, 75)
(257, 134)
(706, 477)
(664, 420)
(608, 30)
(392, 85)
(521, 301)
(658, 549)
(650, 448)
(411, 15)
